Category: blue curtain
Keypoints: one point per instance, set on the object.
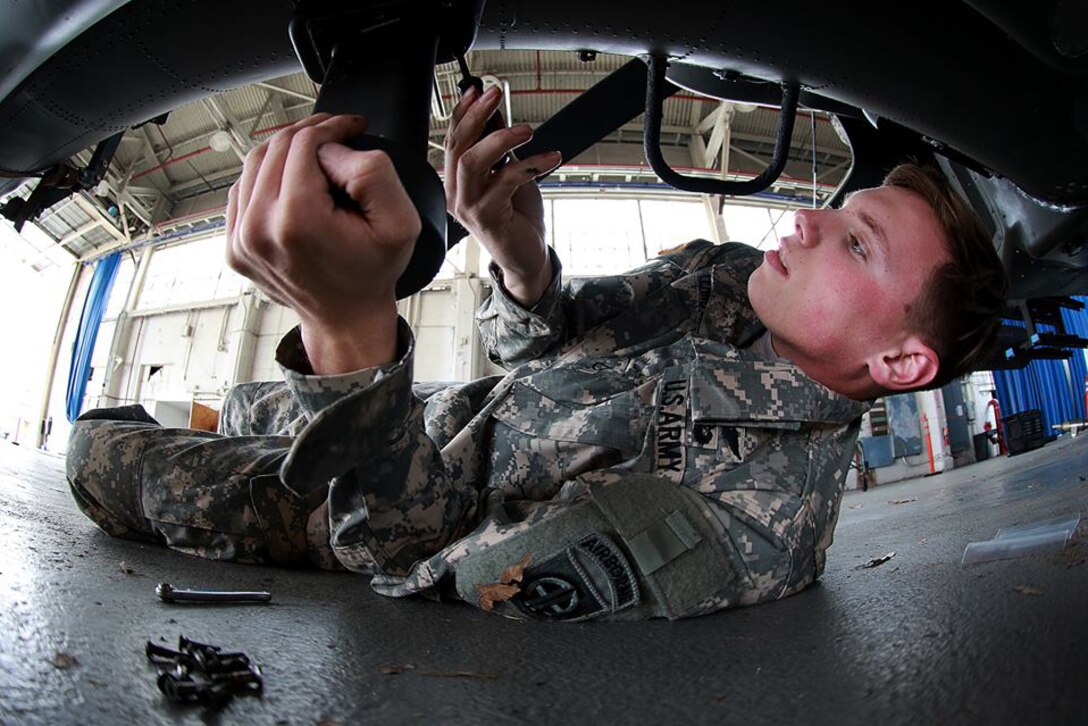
(94, 307)
(1055, 387)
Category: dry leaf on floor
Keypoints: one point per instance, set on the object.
(126, 569)
(460, 674)
(902, 501)
(877, 561)
(1027, 590)
(496, 592)
(396, 669)
(64, 661)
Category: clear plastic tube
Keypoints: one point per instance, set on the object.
(1022, 540)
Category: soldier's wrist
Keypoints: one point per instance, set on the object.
(343, 346)
(527, 289)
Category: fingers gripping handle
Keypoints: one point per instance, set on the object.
(425, 190)
(390, 81)
(457, 231)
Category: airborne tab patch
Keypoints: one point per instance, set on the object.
(590, 577)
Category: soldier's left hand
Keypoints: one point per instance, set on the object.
(500, 205)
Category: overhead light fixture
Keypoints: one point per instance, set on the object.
(220, 141)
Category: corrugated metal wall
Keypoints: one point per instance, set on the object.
(1055, 387)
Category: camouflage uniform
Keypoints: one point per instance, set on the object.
(639, 460)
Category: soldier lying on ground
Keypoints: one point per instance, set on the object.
(668, 442)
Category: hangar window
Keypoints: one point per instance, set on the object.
(608, 236)
(595, 236)
(122, 283)
(188, 273)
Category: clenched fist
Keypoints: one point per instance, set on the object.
(335, 264)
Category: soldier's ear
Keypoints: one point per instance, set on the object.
(910, 364)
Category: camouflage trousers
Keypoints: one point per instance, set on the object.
(214, 495)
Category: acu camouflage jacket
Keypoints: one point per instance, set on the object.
(637, 461)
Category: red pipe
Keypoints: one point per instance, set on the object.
(171, 162)
(198, 152)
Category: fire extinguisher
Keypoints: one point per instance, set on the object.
(1001, 450)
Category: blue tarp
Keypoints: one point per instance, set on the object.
(94, 307)
(1055, 387)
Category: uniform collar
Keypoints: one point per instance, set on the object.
(728, 315)
(731, 385)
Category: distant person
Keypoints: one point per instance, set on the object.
(668, 442)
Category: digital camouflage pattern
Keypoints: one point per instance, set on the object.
(647, 373)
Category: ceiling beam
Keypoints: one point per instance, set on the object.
(117, 180)
(153, 155)
(98, 219)
(226, 120)
(79, 232)
(260, 114)
(286, 92)
(181, 191)
(697, 149)
(710, 119)
(828, 172)
(723, 119)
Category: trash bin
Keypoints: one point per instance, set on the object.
(982, 446)
(1024, 431)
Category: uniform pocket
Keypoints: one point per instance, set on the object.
(581, 383)
(195, 492)
(579, 408)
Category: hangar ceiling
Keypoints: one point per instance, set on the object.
(169, 178)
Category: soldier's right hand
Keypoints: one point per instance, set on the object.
(501, 205)
(335, 264)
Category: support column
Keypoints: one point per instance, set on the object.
(54, 353)
(243, 338)
(712, 204)
(119, 371)
(466, 287)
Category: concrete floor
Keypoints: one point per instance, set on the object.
(920, 639)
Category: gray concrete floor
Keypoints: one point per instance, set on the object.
(920, 639)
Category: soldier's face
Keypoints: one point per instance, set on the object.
(844, 282)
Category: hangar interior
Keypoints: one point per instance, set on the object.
(923, 634)
(179, 327)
